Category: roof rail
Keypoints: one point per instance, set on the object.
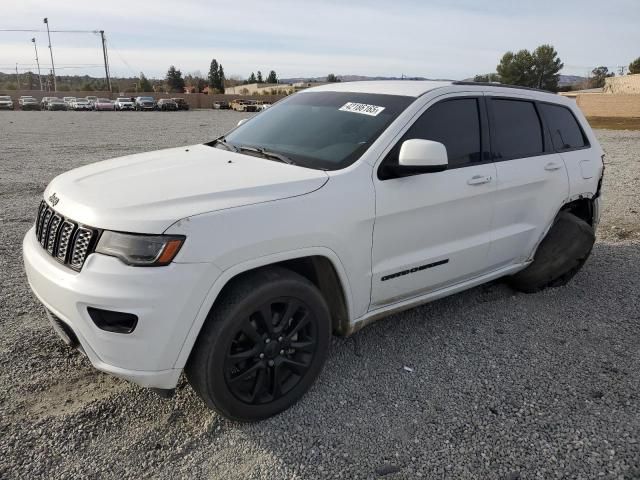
(494, 84)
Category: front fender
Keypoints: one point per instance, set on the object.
(230, 273)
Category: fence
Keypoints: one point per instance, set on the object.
(195, 100)
(607, 105)
(625, 84)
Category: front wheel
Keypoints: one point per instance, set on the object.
(262, 345)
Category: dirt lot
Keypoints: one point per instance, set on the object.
(504, 385)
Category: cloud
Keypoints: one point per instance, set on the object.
(446, 39)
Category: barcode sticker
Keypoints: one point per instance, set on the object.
(371, 110)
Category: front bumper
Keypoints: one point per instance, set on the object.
(165, 299)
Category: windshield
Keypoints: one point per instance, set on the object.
(124, 99)
(5, 98)
(103, 100)
(147, 99)
(321, 130)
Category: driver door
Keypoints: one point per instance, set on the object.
(434, 229)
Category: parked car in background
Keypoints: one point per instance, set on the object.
(145, 103)
(81, 104)
(6, 103)
(124, 103)
(69, 101)
(104, 104)
(44, 103)
(166, 104)
(182, 103)
(244, 105)
(263, 105)
(55, 103)
(91, 99)
(28, 103)
(221, 106)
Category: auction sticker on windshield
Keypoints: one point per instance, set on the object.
(372, 110)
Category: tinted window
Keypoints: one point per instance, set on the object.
(454, 123)
(565, 131)
(323, 130)
(517, 129)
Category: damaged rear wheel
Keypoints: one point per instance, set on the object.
(559, 257)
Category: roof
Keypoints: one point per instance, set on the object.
(410, 88)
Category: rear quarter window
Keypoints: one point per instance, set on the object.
(566, 133)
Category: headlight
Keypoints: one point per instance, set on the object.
(140, 250)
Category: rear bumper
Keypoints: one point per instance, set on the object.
(166, 301)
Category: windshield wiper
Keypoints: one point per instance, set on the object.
(266, 154)
(223, 142)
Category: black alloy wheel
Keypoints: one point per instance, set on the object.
(271, 351)
(262, 345)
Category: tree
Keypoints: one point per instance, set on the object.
(634, 67)
(174, 80)
(487, 78)
(194, 81)
(272, 78)
(220, 84)
(331, 78)
(599, 76)
(144, 85)
(546, 68)
(540, 69)
(516, 68)
(252, 78)
(259, 77)
(214, 78)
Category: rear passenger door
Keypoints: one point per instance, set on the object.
(532, 178)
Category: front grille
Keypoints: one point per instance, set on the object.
(65, 240)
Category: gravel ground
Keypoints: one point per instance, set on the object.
(503, 385)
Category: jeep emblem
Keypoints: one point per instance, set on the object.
(54, 200)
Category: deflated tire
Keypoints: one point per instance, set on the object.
(560, 255)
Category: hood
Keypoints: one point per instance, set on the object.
(148, 192)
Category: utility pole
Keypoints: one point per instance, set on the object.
(17, 77)
(53, 67)
(37, 61)
(106, 61)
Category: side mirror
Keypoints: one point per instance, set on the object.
(242, 121)
(422, 156)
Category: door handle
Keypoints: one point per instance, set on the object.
(478, 180)
(551, 166)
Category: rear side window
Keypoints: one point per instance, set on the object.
(566, 133)
(517, 129)
(454, 123)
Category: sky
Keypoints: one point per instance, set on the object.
(453, 39)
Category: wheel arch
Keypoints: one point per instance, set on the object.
(583, 206)
(320, 265)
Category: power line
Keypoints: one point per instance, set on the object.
(44, 31)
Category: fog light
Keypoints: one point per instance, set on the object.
(116, 322)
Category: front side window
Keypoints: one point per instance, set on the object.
(516, 128)
(321, 130)
(454, 123)
(566, 133)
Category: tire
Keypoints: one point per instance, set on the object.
(561, 254)
(290, 346)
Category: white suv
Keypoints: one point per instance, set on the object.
(235, 260)
(124, 103)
